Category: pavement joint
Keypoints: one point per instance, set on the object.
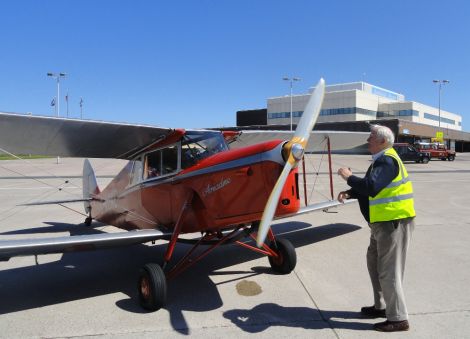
(438, 312)
(325, 319)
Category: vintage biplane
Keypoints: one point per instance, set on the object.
(176, 182)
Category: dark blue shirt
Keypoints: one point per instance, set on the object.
(378, 176)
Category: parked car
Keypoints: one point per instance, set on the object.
(436, 150)
(409, 153)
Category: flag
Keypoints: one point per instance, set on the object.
(53, 102)
(67, 97)
(81, 102)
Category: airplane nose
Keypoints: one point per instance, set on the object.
(297, 151)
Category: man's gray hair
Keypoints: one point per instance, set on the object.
(383, 133)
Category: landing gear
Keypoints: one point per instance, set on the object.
(286, 258)
(152, 283)
(152, 287)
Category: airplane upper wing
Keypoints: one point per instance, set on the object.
(340, 141)
(15, 248)
(29, 134)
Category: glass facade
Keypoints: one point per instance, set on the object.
(384, 93)
(408, 113)
(434, 117)
(325, 112)
(401, 113)
(281, 115)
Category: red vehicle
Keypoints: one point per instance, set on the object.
(436, 150)
(176, 182)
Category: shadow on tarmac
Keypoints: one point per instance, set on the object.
(263, 316)
(58, 227)
(84, 275)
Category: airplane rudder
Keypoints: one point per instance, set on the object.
(90, 185)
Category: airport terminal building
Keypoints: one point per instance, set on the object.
(351, 106)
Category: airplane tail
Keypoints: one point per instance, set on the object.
(90, 186)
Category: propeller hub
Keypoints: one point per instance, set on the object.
(297, 151)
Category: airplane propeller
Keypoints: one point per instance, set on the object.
(293, 151)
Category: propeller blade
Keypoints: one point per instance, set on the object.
(270, 209)
(294, 150)
(310, 115)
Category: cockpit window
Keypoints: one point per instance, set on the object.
(200, 145)
(161, 162)
(136, 173)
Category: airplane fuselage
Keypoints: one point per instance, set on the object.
(226, 188)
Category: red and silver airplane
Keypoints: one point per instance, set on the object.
(176, 182)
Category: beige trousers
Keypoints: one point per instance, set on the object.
(386, 256)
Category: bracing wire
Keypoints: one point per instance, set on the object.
(18, 209)
(316, 171)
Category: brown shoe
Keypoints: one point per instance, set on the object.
(392, 326)
(372, 312)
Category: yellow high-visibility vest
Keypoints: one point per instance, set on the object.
(396, 200)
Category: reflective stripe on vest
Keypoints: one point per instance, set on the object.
(396, 200)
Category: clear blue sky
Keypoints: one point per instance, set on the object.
(195, 63)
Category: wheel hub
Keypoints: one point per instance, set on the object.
(145, 287)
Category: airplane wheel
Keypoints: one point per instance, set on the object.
(152, 287)
(287, 259)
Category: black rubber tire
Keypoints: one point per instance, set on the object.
(451, 157)
(152, 287)
(425, 160)
(287, 259)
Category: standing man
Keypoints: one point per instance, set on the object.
(385, 197)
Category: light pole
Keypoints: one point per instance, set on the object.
(440, 82)
(57, 76)
(291, 80)
(81, 108)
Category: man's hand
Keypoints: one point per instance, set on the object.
(345, 172)
(343, 196)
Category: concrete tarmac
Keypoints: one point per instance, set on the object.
(233, 293)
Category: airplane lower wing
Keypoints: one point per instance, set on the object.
(322, 206)
(24, 247)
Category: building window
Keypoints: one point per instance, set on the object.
(408, 113)
(384, 93)
(347, 110)
(434, 117)
(284, 115)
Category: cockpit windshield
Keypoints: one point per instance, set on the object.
(198, 145)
